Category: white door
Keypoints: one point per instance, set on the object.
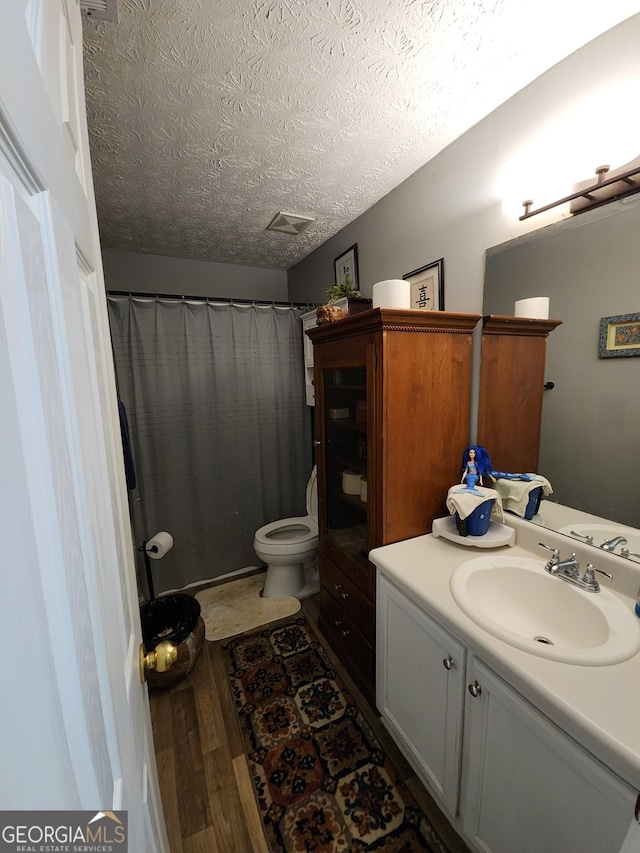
(74, 718)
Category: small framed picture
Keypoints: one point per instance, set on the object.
(346, 268)
(427, 287)
(619, 336)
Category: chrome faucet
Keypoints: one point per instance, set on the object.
(569, 570)
(612, 544)
(556, 566)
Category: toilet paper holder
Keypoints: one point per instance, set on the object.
(154, 549)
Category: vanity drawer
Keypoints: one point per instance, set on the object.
(349, 643)
(349, 598)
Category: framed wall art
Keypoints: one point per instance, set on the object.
(427, 287)
(619, 336)
(346, 269)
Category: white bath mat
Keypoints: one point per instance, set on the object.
(237, 606)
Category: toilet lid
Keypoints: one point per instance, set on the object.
(289, 531)
(312, 494)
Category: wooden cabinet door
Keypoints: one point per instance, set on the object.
(420, 675)
(529, 788)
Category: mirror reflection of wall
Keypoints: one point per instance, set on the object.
(589, 267)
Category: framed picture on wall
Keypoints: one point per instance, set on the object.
(427, 287)
(346, 268)
(619, 336)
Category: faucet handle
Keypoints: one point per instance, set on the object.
(606, 574)
(589, 581)
(626, 553)
(587, 538)
(556, 552)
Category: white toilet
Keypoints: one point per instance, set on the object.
(289, 547)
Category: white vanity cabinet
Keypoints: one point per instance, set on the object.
(527, 787)
(509, 779)
(420, 681)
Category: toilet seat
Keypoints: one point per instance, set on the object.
(288, 535)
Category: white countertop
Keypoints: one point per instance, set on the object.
(599, 706)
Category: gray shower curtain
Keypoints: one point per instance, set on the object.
(219, 429)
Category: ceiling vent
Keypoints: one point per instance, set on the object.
(101, 10)
(289, 223)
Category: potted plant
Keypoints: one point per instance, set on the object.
(338, 291)
(331, 311)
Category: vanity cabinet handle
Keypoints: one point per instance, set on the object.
(344, 633)
(317, 442)
(337, 622)
(475, 689)
(448, 663)
(344, 595)
(337, 586)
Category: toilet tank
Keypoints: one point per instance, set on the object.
(312, 494)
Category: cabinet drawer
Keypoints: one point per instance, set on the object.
(349, 643)
(349, 598)
(362, 575)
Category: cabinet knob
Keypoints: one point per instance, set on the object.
(337, 586)
(344, 595)
(448, 663)
(337, 622)
(475, 689)
(345, 633)
(317, 442)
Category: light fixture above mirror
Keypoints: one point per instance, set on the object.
(608, 187)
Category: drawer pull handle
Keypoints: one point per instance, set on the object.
(344, 632)
(475, 689)
(448, 663)
(344, 595)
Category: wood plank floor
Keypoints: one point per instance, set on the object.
(207, 795)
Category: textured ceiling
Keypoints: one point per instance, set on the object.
(207, 117)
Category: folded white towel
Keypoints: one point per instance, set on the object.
(464, 502)
(515, 493)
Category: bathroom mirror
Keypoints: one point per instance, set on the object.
(589, 267)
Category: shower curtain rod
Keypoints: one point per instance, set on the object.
(229, 299)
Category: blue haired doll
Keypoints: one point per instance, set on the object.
(475, 465)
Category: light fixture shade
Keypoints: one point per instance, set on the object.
(611, 191)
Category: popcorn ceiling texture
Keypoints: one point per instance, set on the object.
(207, 117)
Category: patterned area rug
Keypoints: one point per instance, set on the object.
(322, 782)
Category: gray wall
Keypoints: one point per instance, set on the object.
(589, 269)
(157, 274)
(453, 206)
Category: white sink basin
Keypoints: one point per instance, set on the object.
(517, 601)
(603, 532)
